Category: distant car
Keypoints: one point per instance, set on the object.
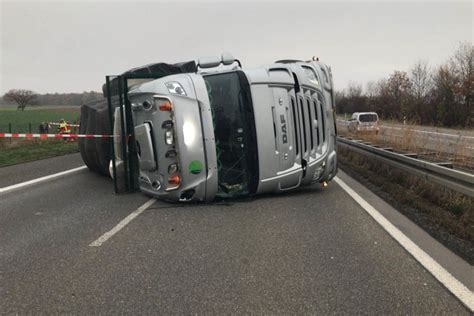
(364, 122)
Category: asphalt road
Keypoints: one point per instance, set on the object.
(310, 251)
(39, 168)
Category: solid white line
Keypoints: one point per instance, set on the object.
(458, 289)
(99, 241)
(38, 180)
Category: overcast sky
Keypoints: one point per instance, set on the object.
(71, 46)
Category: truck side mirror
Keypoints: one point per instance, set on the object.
(209, 62)
(227, 59)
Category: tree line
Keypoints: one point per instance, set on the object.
(441, 95)
(22, 98)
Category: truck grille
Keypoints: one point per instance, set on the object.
(315, 110)
(307, 108)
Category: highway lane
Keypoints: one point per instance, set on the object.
(310, 251)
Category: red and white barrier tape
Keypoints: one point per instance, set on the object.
(17, 135)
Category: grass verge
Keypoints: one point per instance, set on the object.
(34, 150)
(440, 149)
(446, 215)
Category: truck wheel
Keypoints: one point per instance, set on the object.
(95, 152)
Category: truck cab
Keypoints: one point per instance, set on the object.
(224, 131)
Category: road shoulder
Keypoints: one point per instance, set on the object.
(455, 265)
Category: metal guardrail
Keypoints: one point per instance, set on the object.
(456, 180)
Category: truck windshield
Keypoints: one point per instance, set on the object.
(234, 130)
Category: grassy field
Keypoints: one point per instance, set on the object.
(20, 120)
(21, 150)
(34, 150)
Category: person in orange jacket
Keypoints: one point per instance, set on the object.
(64, 128)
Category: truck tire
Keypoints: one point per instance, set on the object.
(96, 152)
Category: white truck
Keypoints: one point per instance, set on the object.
(219, 131)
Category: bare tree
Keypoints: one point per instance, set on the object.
(372, 93)
(398, 84)
(21, 97)
(354, 90)
(383, 100)
(462, 64)
(445, 98)
(454, 89)
(372, 89)
(356, 100)
(421, 81)
(399, 89)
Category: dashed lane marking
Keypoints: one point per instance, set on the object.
(99, 241)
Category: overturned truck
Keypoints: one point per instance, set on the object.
(209, 129)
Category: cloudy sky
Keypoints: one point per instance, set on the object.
(70, 46)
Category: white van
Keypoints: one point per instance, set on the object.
(364, 122)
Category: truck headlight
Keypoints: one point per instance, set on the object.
(175, 88)
(189, 133)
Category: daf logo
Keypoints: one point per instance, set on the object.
(284, 131)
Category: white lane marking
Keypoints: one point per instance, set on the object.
(458, 289)
(99, 241)
(38, 180)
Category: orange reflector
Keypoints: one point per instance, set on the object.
(165, 106)
(175, 180)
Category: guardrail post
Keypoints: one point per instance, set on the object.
(10, 130)
(29, 128)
